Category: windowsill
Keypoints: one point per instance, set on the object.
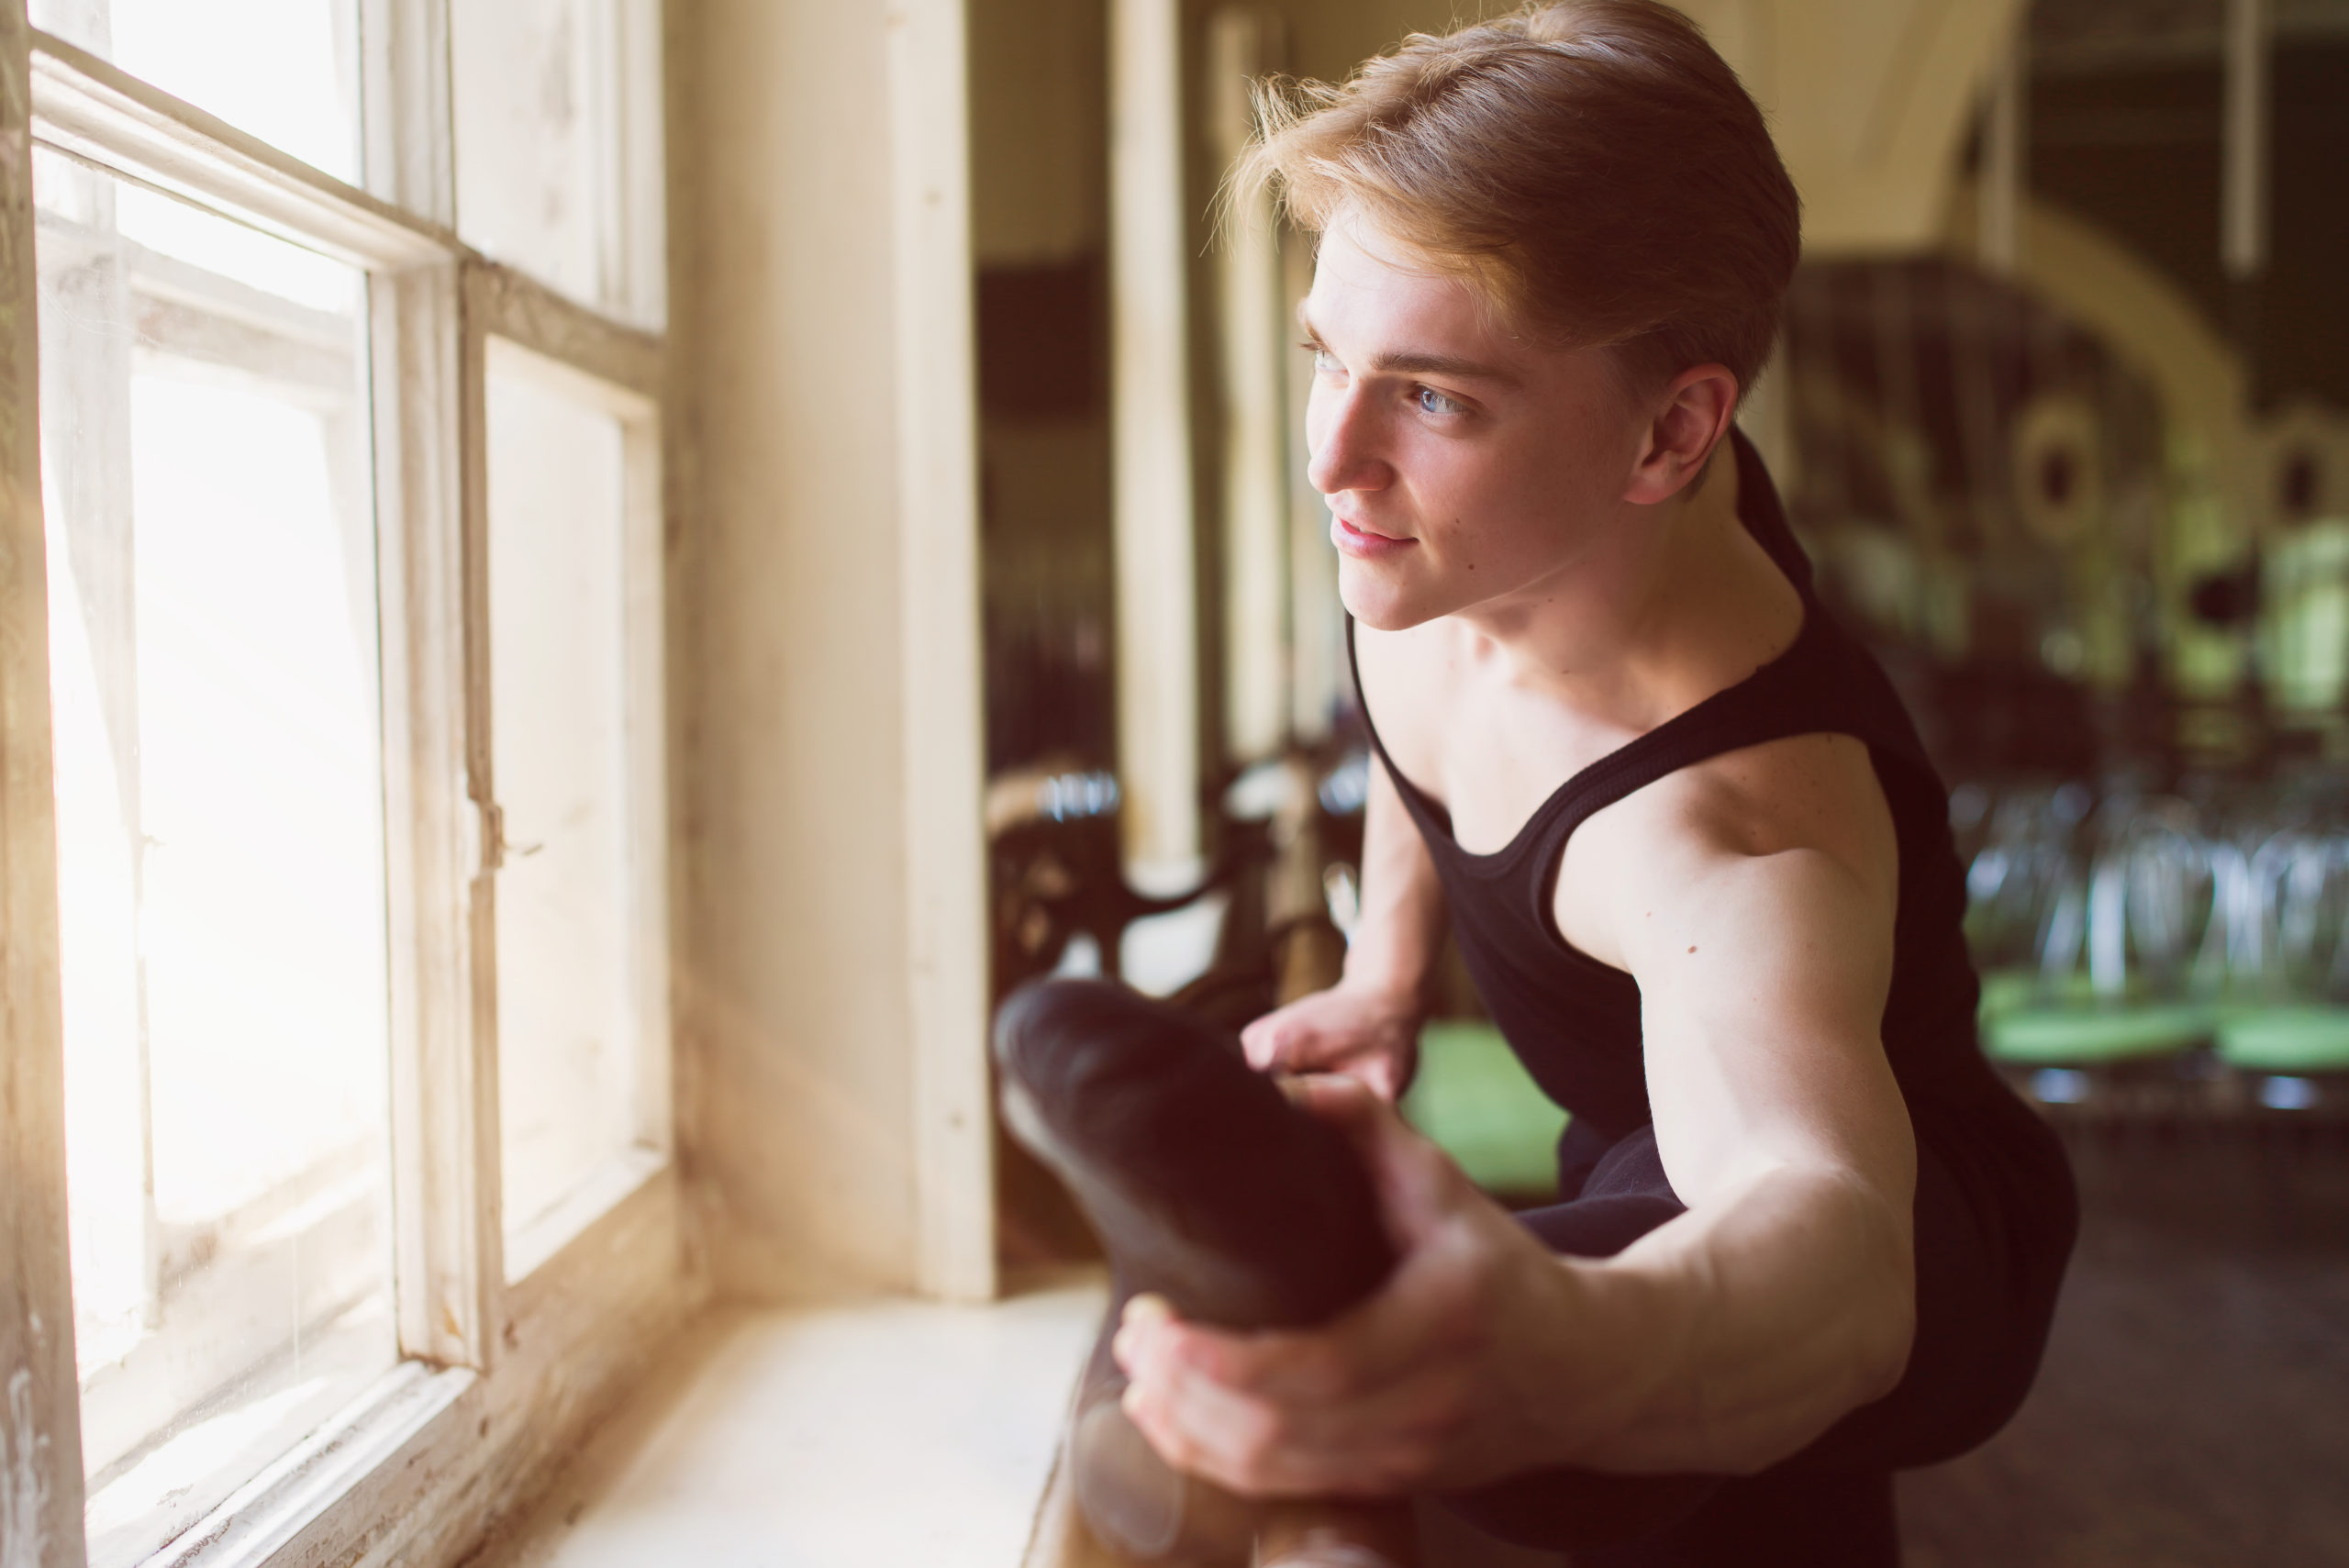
(881, 1432)
(596, 1195)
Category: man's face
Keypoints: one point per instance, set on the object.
(1464, 466)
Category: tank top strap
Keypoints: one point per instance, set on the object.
(1807, 690)
(1432, 820)
(1822, 683)
(1764, 516)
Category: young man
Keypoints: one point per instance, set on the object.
(1685, 836)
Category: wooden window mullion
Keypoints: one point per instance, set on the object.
(444, 1080)
(40, 1434)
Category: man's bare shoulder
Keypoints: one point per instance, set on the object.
(1806, 796)
(1818, 791)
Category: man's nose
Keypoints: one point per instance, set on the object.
(1346, 456)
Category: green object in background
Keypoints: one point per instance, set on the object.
(1474, 1100)
(2032, 1023)
(2287, 1039)
(2052, 1036)
(2007, 991)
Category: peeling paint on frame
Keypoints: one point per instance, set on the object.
(23, 1488)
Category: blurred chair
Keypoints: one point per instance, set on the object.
(2292, 1060)
(1057, 875)
(2102, 1016)
(2284, 966)
(2015, 876)
(2157, 931)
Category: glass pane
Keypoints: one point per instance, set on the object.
(528, 190)
(220, 844)
(558, 130)
(568, 1031)
(285, 71)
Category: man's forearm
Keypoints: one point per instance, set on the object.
(1730, 1337)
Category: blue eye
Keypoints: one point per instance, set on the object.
(1430, 401)
(1325, 363)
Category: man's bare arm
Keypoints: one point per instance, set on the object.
(1367, 1025)
(1761, 933)
(1723, 1340)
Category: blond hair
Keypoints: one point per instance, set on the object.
(1592, 166)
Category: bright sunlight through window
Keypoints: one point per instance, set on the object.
(220, 838)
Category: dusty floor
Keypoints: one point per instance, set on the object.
(2193, 1411)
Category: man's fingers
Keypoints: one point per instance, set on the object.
(1359, 1404)
(1350, 1358)
(1260, 1445)
(1338, 1098)
(1152, 1342)
(1145, 1330)
(1239, 1441)
(1277, 1042)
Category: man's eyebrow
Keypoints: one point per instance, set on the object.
(1406, 362)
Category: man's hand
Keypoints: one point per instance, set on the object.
(1366, 1033)
(1440, 1378)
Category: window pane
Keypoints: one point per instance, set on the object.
(284, 70)
(558, 118)
(568, 926)
(220, 844)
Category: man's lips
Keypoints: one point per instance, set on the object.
(1362, 544)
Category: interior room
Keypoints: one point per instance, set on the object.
(586, 586)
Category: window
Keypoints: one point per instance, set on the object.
(286, 71)
(558, 162)
(582, 972)
(353, 586)
(220, 841)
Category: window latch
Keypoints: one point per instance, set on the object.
(492, 830)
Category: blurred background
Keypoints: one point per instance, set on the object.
(2061, 411)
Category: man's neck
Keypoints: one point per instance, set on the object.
(1670, 605)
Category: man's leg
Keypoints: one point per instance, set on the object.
(1206, 1184)
(1790, 1518)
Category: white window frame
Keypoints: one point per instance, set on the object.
(498, 1376)
(514, 325)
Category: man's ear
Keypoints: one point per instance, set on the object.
(1692, 418)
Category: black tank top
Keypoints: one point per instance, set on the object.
(1574, 1022)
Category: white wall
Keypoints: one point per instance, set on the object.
(828, 613)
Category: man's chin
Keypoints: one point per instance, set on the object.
(1378, 602)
